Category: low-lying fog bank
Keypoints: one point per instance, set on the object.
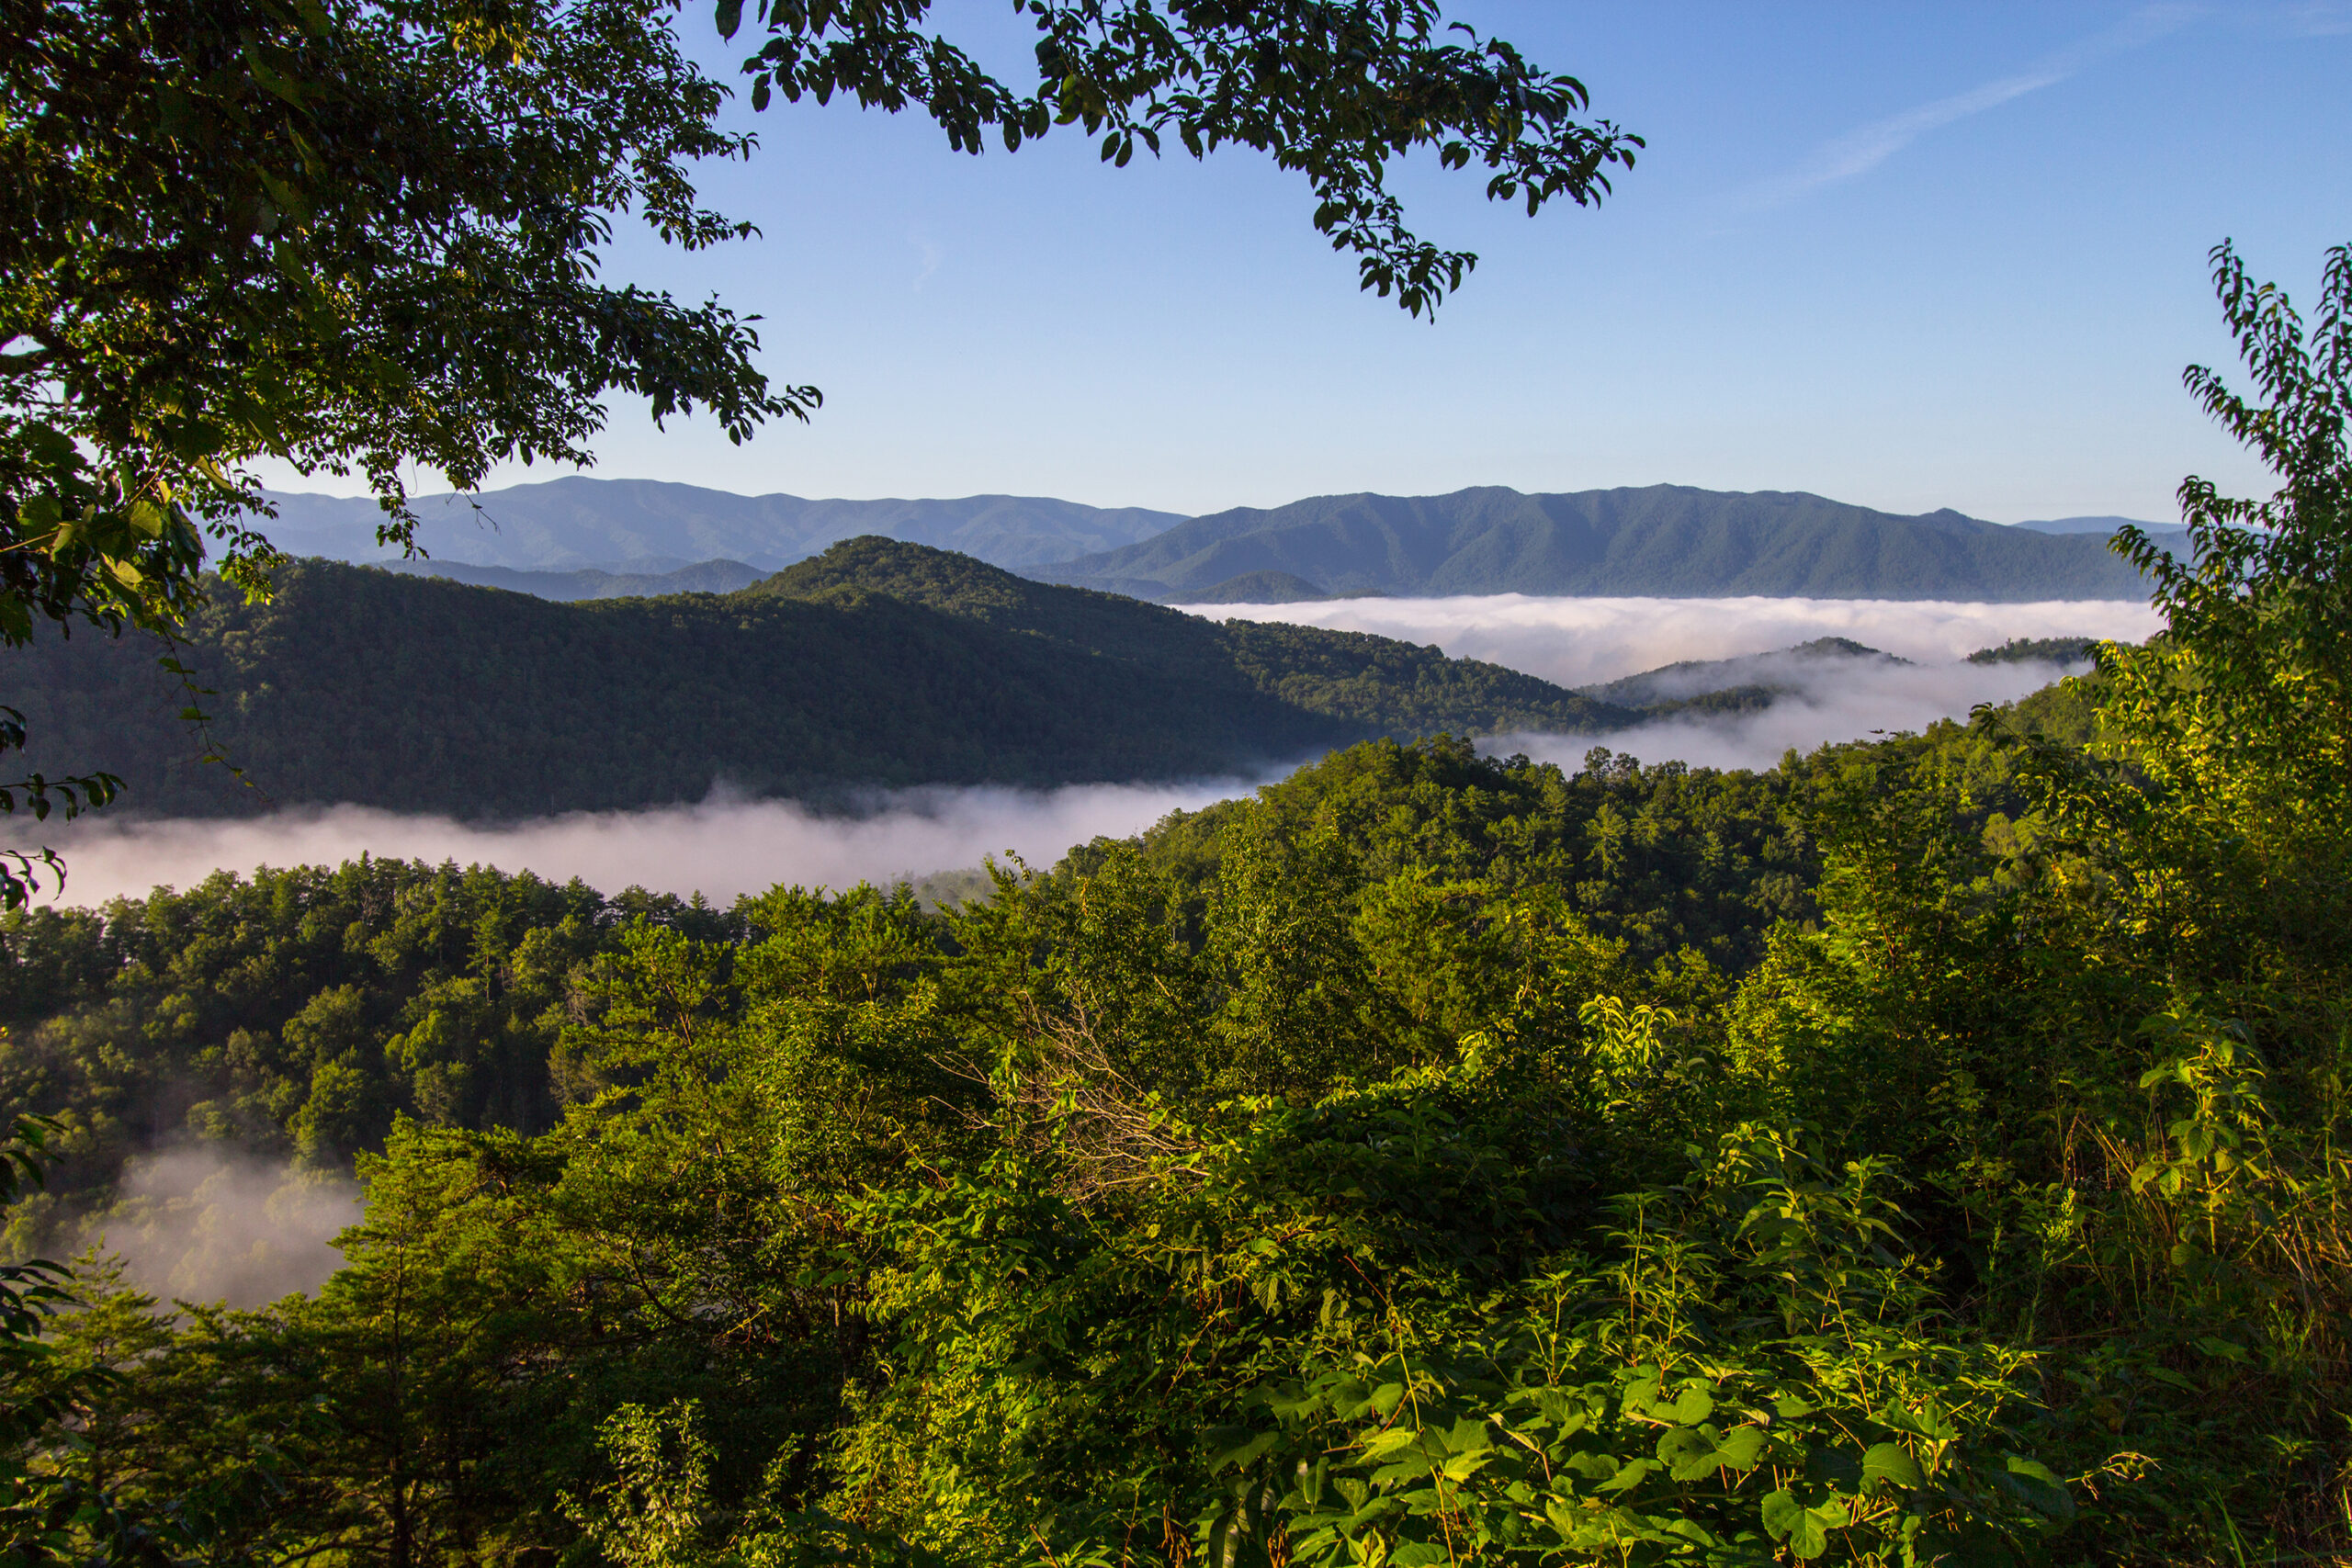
(1826, 700)
(720, 848)
(1579, 642)
(211, 1223)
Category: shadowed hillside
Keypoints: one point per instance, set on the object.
(879, 664)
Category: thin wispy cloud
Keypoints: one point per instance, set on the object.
(1859, 152)
(928, 251)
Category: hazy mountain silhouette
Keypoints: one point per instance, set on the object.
(1666, 539)
(645, 526)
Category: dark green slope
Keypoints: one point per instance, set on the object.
(1259, 588)
(1665, 539)
(879, 664)
(1381, 684)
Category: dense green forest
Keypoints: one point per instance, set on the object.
(1931, 1150)
(1642, 1163)
(297, 1014)
(1661, 539)
(876, 664)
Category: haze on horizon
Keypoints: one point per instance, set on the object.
(1904, 257)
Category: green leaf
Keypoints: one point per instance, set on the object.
(1784, 1517)
(731, 17)
(1892, 1464)
(1462, 1467)
(1243, 1453)
(1693, 1453)
(1630, 1475)
(1806, 1531)
(1742, 1448)
(2031, 1482)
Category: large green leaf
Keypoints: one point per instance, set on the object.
(1890, 1463)
(1805, 1529)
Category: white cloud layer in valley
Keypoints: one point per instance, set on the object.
(723, 848)
(1577, 642)
(1839, 700)
(720, 848)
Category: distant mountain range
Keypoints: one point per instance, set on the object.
(2102, 526)
(589, 582)
(1665, 539)
(585, 539)
(642, 526)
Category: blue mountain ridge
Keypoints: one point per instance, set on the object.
(1661, 539)
(582, 537)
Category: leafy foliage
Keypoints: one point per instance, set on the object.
(334, 234)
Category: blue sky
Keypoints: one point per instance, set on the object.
(1903, 255)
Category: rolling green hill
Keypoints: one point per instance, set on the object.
(1666, 539)
(877, 664)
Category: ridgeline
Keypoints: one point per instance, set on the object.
(1664, 539)
(876, 665)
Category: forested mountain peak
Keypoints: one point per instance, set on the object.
(1082, 619)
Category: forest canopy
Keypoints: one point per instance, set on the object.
(1931, 1150)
